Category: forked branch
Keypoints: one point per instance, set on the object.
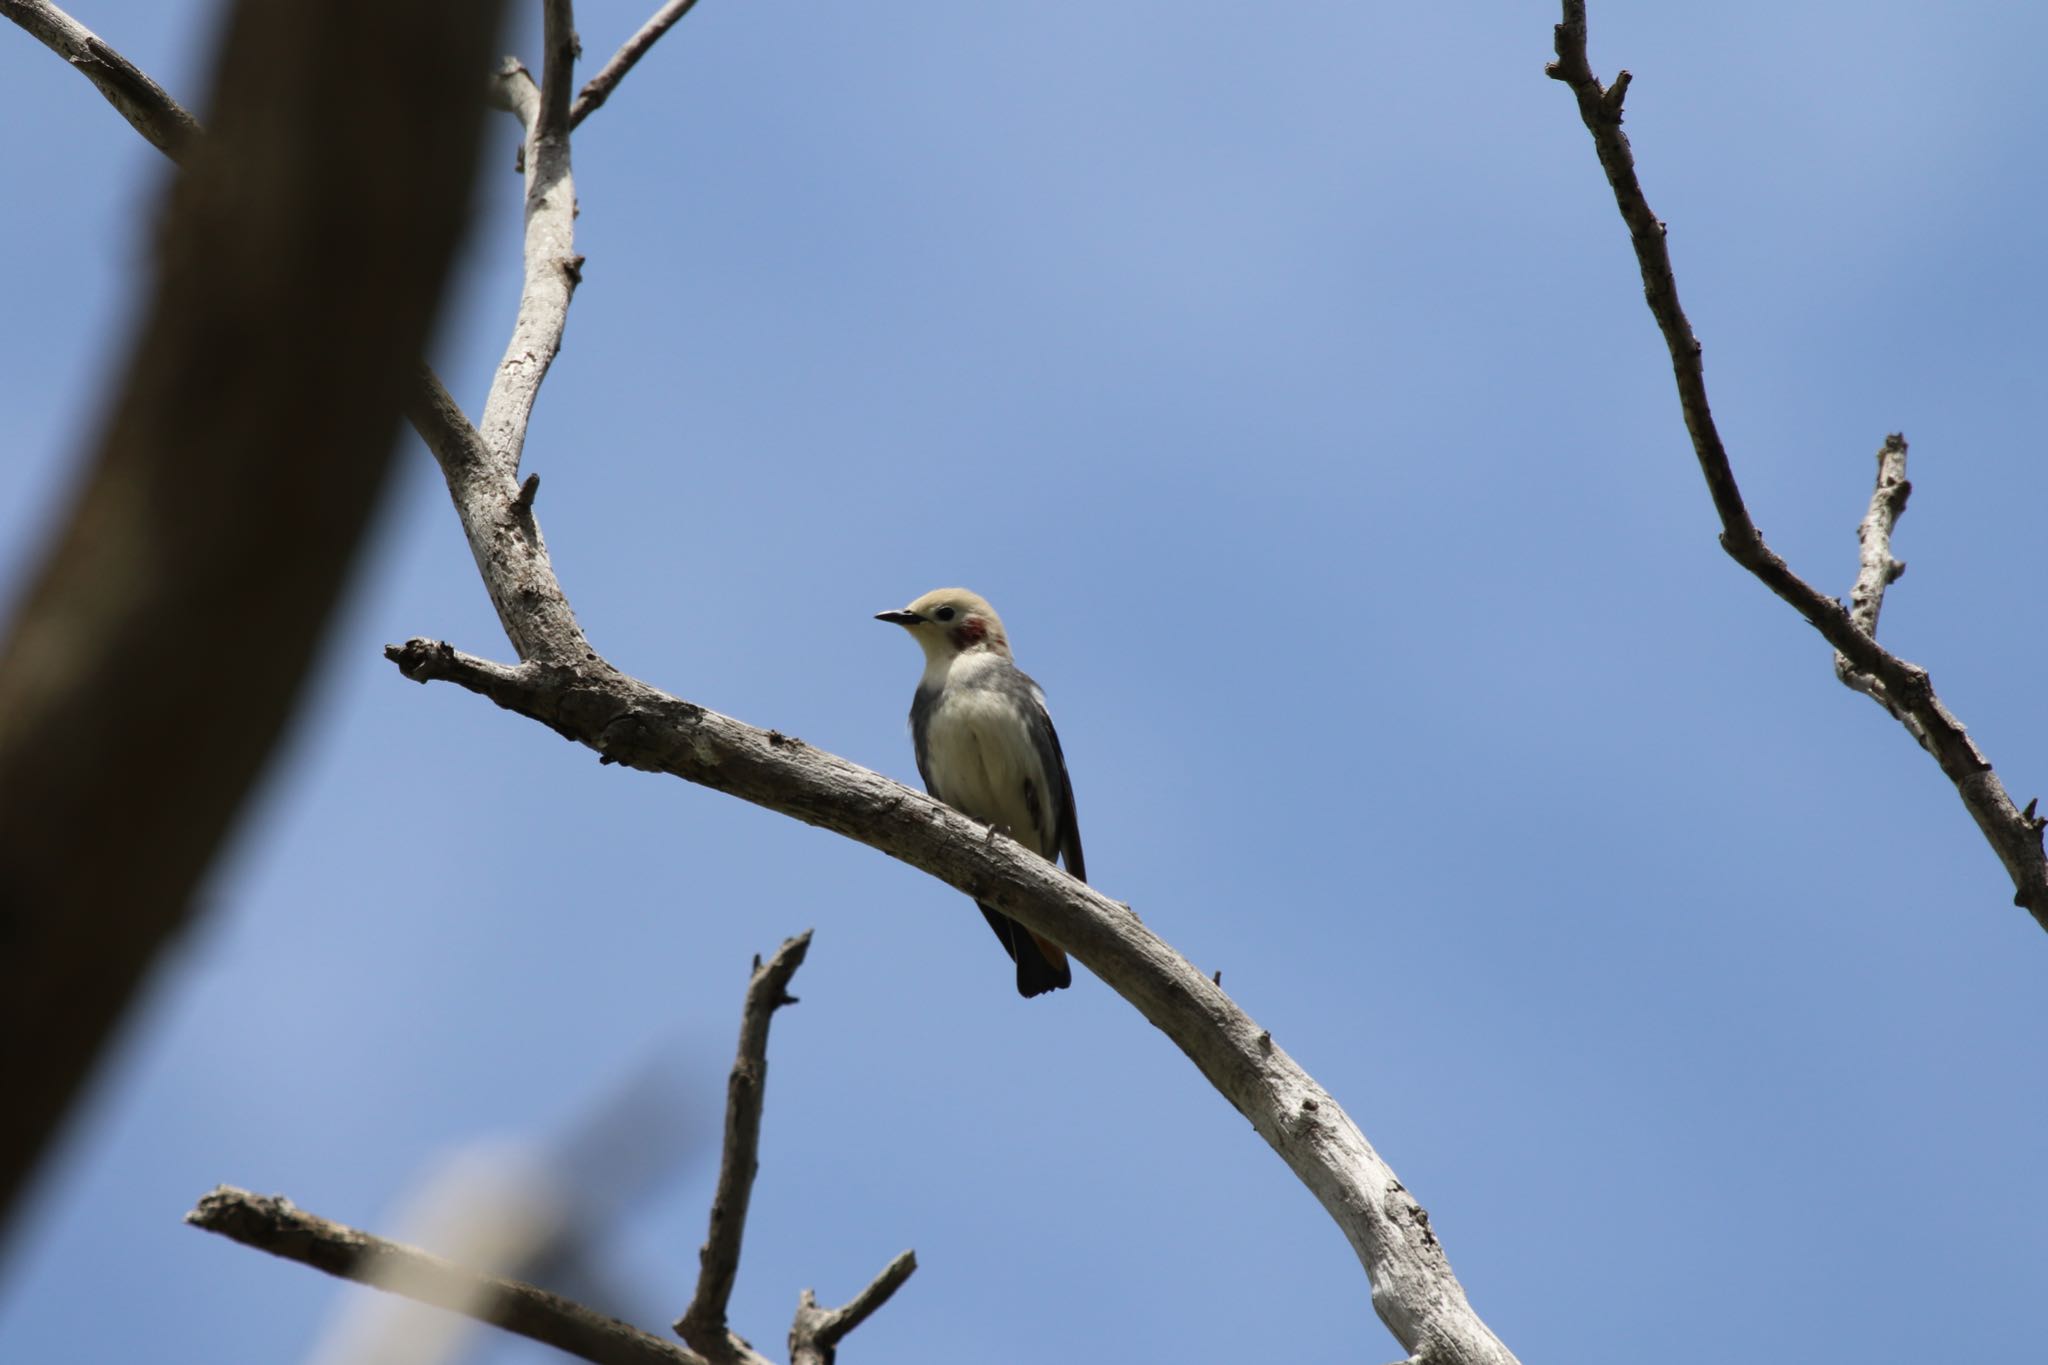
(275, 1225)
(1902, 688)
(703, 1324)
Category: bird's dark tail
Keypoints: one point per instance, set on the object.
(1041, 967)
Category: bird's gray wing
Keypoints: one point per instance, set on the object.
(1066, 831)
(922, 703)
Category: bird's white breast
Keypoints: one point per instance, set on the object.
(981, 754)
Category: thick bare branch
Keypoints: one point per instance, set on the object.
(552, 267)
(815, 1335)
(275, 1225)
(607, 80)
(703, 1323)
(498, 521)
(243, 451)
(627, 721)
(1903, 688)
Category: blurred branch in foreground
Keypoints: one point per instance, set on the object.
(160, 647)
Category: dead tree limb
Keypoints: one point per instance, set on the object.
(815, 1336)
(703, 1323)
(273, 1224)
(1903, 689)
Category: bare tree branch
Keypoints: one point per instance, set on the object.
(703, 1323)
(503, 536)
(1904, 689)
(1876, 570)
(243, 452)
(552, 266)
(275, 1225)
(627, 721)
(559, 52)
(141, 100)
(607, 80)
(815, 1335)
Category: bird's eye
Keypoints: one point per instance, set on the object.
(944, 613)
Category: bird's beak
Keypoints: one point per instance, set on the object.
(900, 618)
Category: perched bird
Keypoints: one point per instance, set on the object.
(986, 747)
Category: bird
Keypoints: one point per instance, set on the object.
(986, 747)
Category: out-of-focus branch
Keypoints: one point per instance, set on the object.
(275, 1225)
(243, 451)
(1903, 688)
(703, 1323)
(815, 1335)
(607, 80)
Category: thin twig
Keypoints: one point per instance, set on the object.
(815, 1335)
(607, 80)
(1903, 688)
(275, 1225)
(703, 1323)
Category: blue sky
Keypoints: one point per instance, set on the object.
(1284, 379)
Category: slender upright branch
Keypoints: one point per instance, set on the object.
(1904, 689)
(815, 1335)
(1876, 570)
(552, 267)
(607, 79)
(703, 1323)
(560, 49)
(275, 1225)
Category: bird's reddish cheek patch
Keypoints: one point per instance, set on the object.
(970, 632)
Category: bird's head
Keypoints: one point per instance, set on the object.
(950, 621)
